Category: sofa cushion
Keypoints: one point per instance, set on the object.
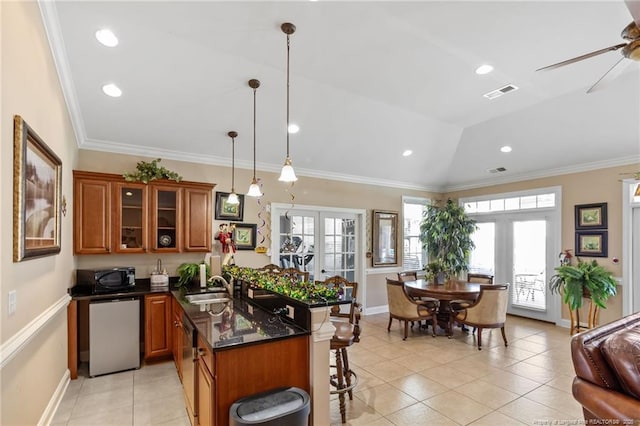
(622, 352)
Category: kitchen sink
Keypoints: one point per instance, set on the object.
(204, 298)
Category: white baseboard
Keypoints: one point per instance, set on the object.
(56, 398)
(376, 310)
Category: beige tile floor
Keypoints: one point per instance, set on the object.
(420, 381)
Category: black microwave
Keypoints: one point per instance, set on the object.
(108, 280)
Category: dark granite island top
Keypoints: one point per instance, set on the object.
(235, 323)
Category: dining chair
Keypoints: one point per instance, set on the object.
(404, 308)
(479, 278)
(407, 276)
(488, 311)
(294, 274)
(271, 268)
(347, 325)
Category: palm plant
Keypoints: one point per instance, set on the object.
(586, 279)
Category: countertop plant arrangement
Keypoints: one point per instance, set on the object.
(305, 291)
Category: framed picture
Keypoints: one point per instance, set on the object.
(385, 239)
(591, 243)
(226, 211)
(244, 236)
(591, 216)
(37, 186)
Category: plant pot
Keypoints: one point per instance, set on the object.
(440, 278)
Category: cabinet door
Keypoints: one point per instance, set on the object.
(197, 219)
(157, 326)
(91, 215)
(206, 391)
(166, 219)
(177, 337)
(130, 215)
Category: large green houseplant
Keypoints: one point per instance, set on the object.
(585, 279)
(445, 232)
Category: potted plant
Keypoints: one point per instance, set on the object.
(445, 231)
(584, 280)
(188, 272)
(435, 272)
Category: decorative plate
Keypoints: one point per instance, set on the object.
(164, 240)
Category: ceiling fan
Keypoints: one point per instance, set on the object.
(630, 50)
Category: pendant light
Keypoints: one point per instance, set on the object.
(254, 189)
(287, 174)
(233, 197)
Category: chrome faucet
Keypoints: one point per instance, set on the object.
(227, 286)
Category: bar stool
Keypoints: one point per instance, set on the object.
(347, 333)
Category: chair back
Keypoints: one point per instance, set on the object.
(405, 276)
(480, 278)
(491, 306)
(343, 283)
(400, 304)
(271, 268)
(294, 274)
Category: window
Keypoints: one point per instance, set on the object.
(523, 202)
(414, 257)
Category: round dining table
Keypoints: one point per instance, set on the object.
(445, 293)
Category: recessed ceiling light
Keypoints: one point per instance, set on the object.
(112, 90)
(505, 148)
(293, 128)
(484, 69)
(107, 37)
(407, 153)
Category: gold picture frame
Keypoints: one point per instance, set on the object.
(385, 238)
(37, 188)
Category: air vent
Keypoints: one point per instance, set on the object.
(501, 91)
(497, 170)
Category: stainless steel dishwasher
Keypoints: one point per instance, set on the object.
(189, 364)
(114, 335)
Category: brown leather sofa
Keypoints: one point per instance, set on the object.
(607, 364)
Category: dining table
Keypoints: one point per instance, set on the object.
(445, 293)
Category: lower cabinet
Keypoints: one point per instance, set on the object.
(157, 326)
(206, 386)
(178, 335)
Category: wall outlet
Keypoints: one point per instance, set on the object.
(290, 312)
(12, 302)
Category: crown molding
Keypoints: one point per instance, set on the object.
(576, 168)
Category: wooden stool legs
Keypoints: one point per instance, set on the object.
(344, 380)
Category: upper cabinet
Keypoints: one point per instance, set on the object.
(115, 216)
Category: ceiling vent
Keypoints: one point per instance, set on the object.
(501, 91)
(497, 170)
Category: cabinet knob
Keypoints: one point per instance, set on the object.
(108, 250)
(201, 351)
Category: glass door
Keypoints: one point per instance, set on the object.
(338, 256)
(297, 238)
(131, 218)
(529, 253)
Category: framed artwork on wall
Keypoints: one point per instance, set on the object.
(244, 236)
(591, 216)
(591, 243)
(37, 187)
(227, 211)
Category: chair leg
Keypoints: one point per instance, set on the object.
(406, 329)
(504, 336)
(340, 374)
(434, 324)
(389, 326)
(479, 338)
(347, 370)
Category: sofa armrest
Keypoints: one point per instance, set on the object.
(606, 404)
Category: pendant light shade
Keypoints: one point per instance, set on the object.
(287, 174)
(254, 188)
(233, 197)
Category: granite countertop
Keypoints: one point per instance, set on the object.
(237, 322)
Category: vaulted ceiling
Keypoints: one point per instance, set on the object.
(369, 80)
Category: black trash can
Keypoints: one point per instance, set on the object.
(277, 407)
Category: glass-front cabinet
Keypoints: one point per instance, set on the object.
(131, 218)
(166, 218)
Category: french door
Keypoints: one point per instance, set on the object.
(323, 242)
(518, 248)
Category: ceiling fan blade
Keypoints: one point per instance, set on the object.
(634, 9)
(611, 74)
(582, 57)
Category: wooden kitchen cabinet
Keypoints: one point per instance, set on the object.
(178, 335)
(206, 386)
(91, 213)
(158, 326)
(115, 216)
